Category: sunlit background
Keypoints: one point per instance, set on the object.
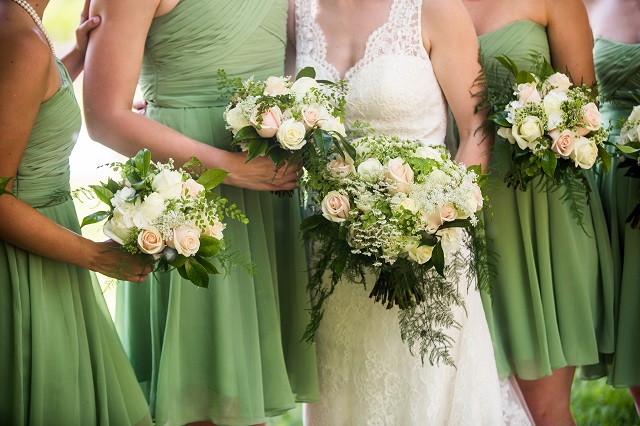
(593, 403)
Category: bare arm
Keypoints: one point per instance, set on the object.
(448, 32)
(74, 60)
(113, 63)
(24, 81)
(570, 39)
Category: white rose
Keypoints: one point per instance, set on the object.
(528, 92)
(186, 240)
(637, 133)
(116, 229)
(275, 86)
(291, 135)
(123, 196)
(585, 152)
(333, 124)
(370, 170)
(635, 115)
(450, 240)
(168, 183)
(335, 206)
(428, 152)
(506, 133)
(302, 86)
(191, 188)
(511, 110)
(552, 107)
(150, 240)
(401, 173)
(341, 167)
(557, 82)
(411, 205)
(140, 220)
(528, 131)
(236, 120)
(152, 206)
(421, 254)
(591, 117)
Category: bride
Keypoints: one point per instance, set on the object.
(404, 61)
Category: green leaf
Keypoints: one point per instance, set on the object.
(257, 147)
(525, 77)
(508, 64)
(500, 118)
(549, 162)
(278, 155)
(350, 149)
(606, 158)
(179, 262)
(323, 140)
(142, 161)
(95, 218)
(438, 258)
(196, 273)
(247, 132)
(339, 265)
(208, 266)
(212, 178)
(209, 246)
(312, 222)
(306, 72)
(183, 272)
(428, 239)
(458, 223)
(627, 149)
(102, 193)
(3, 185)
(112, 185)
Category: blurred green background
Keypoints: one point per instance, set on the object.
(593, 403)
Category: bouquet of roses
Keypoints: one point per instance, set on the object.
(166, 212)
(279, 118)
(396, 209)
(554, 129)
(628, 143)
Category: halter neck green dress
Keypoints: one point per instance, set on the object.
(618, 71)
(553, 295)
(233, 353)
(61, 362)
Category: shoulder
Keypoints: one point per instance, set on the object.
(564, 8)
(25, 59)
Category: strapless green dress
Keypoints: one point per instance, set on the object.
(618, 72)
(233, 353)
(61, 362)
(552, 300)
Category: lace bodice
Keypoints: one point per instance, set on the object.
(393, 86)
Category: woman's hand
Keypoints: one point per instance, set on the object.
(110, 261)
(259, 174)
(74, 60)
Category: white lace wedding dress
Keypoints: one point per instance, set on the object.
(367, 375)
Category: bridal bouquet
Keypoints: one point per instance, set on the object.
(554, 129)
(628, 142)
(279, 118)
(397, 209)
(166, 212)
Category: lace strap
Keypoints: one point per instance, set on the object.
(402, 34)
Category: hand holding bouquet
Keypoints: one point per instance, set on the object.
(628, 143)
(279, 118)
(166, 212)
(396, 209)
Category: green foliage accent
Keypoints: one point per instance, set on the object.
(306, 72)
(212, 178)
(209, 246)
(103, 194)
(95, 218)
(257, 147)
(197, 273)
(484, 260)
(3, 186)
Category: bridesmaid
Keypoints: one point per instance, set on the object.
(231, 354)
(60, 358)
(617, 62)
(552, 307)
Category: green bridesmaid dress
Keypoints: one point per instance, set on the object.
(61, 362)
(233, 353)
(618, 72)
(552, 302)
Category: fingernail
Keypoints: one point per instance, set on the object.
(96, 19)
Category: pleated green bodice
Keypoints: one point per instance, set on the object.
(43, 174)
(186, 47)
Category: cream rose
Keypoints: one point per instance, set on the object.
(553, 107)
(116, 229)
(428, 152)
(557, 82)
(370, 170)
(528, 92)
(591, 118)
(401, 173)
(168, 183)
(528, 131)
(432, 221)
(271, 120)
(448, 212)
(332, 124)
(563, 142)
(186, 240)
(421, 254)
(215, 230)
(291, 135)
(150, 240)
(335, 206)
(152, 206)
(506, 133)
(191, 188)
(450, 240)
(585, 152)
(123, 196)
(236, 120)
(275, 86)
(341, 167)
(302, 86)
(310, 116)
(479, 198)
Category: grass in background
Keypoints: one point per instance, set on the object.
(594, 403)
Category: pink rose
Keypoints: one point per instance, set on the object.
(562, 142)
(191, 188)
(186, 240)
(340, 167)
(433, 222)
(590, 119)
(310, 116)
(448, 212)
(150, 240)
(271, 120)
(401, 173)
(528, 92)
(215, 230)
(335, 207)
(478, 197)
